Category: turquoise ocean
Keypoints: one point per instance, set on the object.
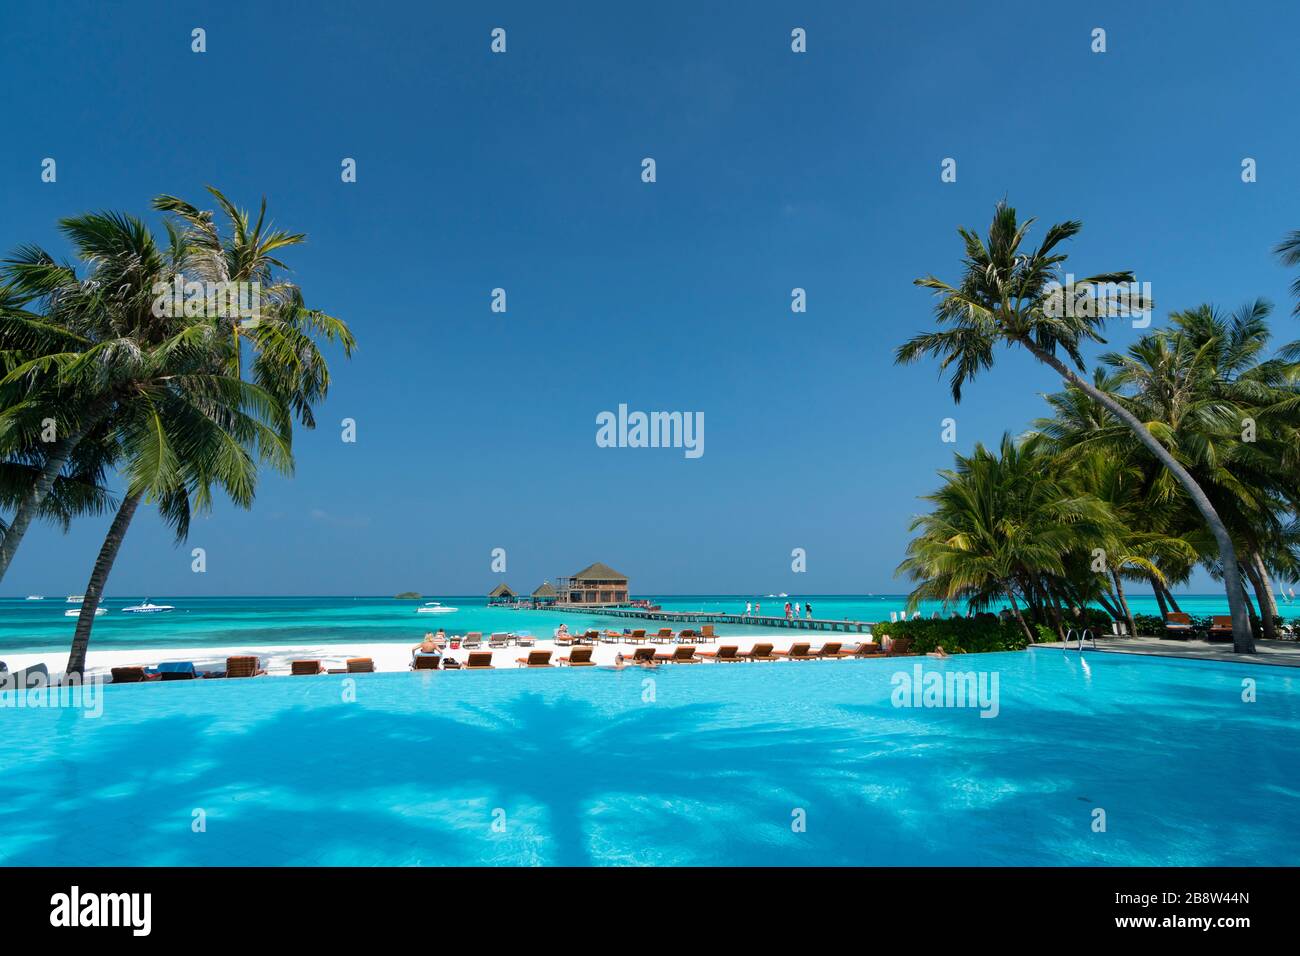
(40, 626)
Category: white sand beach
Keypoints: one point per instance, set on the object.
(388, 656)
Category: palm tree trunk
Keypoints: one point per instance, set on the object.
(1268, 609)
(1243, 641)
(1160, 599)
(1169, 596)
(1123, 603)
(30, 506)
(1015, 609)
(98, 578)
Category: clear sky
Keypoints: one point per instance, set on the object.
(775, 170)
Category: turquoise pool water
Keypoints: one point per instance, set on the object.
(579, 767)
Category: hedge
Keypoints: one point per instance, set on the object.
(957, 635)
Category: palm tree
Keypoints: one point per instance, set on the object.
(1001, 527)
(1007, 297)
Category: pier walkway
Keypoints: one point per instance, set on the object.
(713, 617)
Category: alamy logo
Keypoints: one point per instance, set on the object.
(103, 909)
(946, 689)
(1099, 300)
(651, 430)
(213, 300)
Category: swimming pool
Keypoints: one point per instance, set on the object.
(708, 764)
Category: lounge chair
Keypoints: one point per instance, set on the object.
(361, 665)
(579, 657)
(727, 652)
(1220, 628)
(479, 661)
(685, 654)
(499, 640)
(472, 640)
(612, 637)
(900, 647)
(707, 635)
(665, 636)
(177, 670)
(244, 667)
(1178, 624)
(590, 637)
(426, 662)
(759, 652)
(636, 637)
(535, 659)
(831, 650)
(526, 640)
(642, 655)
(797, 652)
(564, 640)
(305, 668)
(131, 675)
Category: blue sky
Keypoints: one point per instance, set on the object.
(522, 171)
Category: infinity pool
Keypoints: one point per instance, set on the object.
(787, 763)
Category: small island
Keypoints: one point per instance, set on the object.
(408, 596)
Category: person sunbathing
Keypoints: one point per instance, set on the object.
(427, 646)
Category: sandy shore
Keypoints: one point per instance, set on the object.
(388, 656)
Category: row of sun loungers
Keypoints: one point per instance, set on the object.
(248, 666)
(1180, 625)
(705, 635)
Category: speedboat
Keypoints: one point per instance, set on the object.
(76, 598)
(76, 612)
(36, 597)
(147, 608)
(435, 607)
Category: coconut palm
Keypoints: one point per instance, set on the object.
(1009, 296)
(1001, 528)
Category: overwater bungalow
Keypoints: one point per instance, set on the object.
(502, 594)
(545, 595)
(597, 584)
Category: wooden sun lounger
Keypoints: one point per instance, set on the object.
(535, 659)
(864, 649)
(472, 639)
(426, 662)
(479, 661)
(306, 668)
(727, 652)
(499, 640)
(665, 636)
(244, 667)
(636, 637)
(130, 675)
(900, 647)
(579, 657)
(525, 640)
(1178, 624)
(684, 654)
(611, 637)
(564, 640)
(1220, 628)
(797, 652)
(355, 665)
(759, 652)
(642, 655)
(831, 650)
(707, 635)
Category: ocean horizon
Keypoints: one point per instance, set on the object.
(285, 620)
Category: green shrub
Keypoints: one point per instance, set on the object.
(957, 635)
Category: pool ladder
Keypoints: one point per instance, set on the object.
(1083, 635)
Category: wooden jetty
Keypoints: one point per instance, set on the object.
(713, 617)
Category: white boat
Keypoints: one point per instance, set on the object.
(77, 612)
(36, 597)
(147, 608)
(435, 607)
(76, 598)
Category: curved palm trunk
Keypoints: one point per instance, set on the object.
(1123, 603)
(1160, 599)
(1169, 596)
(1264, 595)
(98, 578)
(30, 506)
(1015, 609)
(1243, 641)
